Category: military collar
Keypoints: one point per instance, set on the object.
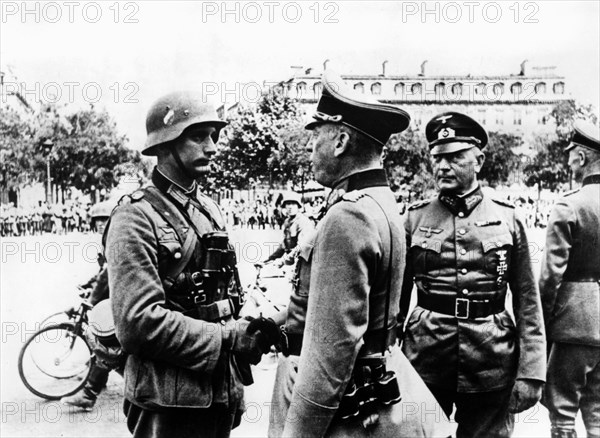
(591, 179)
(357, 181)
(169, 187)
(462, 205)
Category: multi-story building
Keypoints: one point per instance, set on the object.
(518, 103)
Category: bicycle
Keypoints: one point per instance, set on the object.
(56, 360)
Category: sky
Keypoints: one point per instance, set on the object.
(124, 55)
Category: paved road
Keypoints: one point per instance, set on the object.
(38, 276)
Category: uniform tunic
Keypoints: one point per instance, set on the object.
(339, 296)
(174, 361)
(472, 248)
(570, 288)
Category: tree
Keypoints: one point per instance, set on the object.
(15, 146)
(548, 168)
(407, 163)
(500, 160)
(88, 152)
(263, 145)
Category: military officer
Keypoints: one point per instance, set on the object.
(340, 326)
(570, 289)
(171, 275)
(295, 225)
(464, 251)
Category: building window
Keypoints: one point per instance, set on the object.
(317, 89)
(399, 89)
(457, 89)
(481, 117)
(542, 117)
(499, 117)
(559, 88)
(517, 118)
(516, 88)
(479, 89)
(416, 88)
(439, 90)
(376, 88)
(301, 88)
(540, 88)
(359, 87)
(498, 89)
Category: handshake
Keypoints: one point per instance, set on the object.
(249, 338)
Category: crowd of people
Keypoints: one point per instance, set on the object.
(44, 218)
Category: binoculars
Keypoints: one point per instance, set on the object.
(370, 386)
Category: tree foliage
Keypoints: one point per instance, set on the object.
(15, 145)
(500, 159)
(407, 163)
(548, 168)
(263, 145)
(88, 151)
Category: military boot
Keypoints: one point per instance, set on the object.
(559, 432)
(84, 399)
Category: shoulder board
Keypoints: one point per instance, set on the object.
(133, 197)
(504, 202)
(353, 196)
(419, 204)
(571, 192)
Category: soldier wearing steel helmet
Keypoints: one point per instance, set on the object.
(86, 397)
(296, 225)
(465, 250)
(172, 280)
(570, 289)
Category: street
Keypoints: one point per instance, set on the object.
(39, 276)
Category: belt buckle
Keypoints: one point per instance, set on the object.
(461, 308)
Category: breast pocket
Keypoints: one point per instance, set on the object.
(496, 255)
(169, 247)
(426, 253)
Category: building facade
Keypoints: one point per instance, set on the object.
(517, 103)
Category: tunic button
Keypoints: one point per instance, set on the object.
(465, 291)
(177, 255)
(463, 251)
(461, 214)
(463, 271)
(462, 231)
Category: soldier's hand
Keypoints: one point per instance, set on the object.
(249, 344)
(525, 394)
(269, 328)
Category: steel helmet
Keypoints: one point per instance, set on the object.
(291, 197)
(171, 114)
(102, 209)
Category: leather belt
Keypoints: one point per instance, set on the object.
(461, 308)
(373, 341)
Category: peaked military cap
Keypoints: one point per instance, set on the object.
(340, 104)
(452, 132)
(585, 134)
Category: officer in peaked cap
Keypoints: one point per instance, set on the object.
(570, 289)
(464, 251)
(340, 324)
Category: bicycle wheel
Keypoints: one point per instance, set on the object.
(55, 362)
(55, 318)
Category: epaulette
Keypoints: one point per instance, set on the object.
(353, 196)
(419, 204)
(571, 192)
(504, 202)
(129, 198)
